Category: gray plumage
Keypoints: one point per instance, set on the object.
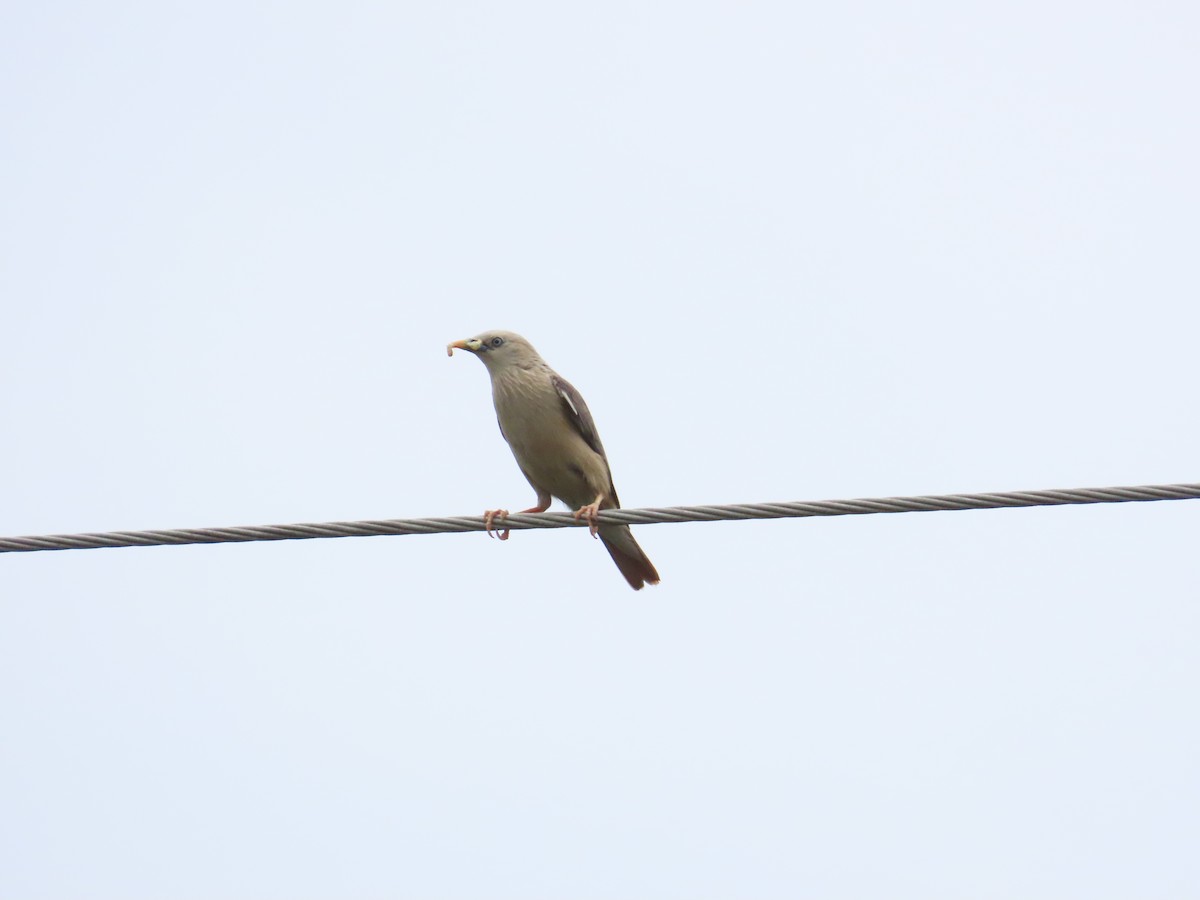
(552, 435)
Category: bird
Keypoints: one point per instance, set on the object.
(551, 433)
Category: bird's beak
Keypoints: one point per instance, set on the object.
(470, 345)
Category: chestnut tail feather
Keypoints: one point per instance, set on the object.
(629, 556)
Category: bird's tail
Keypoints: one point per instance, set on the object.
(629, 557)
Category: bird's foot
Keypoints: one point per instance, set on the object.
(589, 513)
(489, 523)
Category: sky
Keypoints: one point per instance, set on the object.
(787, 252)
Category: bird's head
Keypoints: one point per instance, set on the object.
(497, 349)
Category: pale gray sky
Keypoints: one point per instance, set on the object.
(786, 252)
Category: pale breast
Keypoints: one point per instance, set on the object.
(546, 444)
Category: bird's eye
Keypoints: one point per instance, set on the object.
(496, 342)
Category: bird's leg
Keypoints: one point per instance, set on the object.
(491, 515)
(489, 522)
(588, 513)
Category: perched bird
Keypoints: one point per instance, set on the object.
(554, 439)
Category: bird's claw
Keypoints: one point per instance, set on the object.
(489, 523)
(588, 514)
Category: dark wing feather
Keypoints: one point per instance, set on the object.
(577, 413)
(580, 416)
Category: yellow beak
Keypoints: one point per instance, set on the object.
(470, 345)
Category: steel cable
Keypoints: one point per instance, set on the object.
(718, 513)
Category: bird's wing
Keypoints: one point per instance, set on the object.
(578, 414)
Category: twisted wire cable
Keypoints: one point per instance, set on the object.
(718, 513)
